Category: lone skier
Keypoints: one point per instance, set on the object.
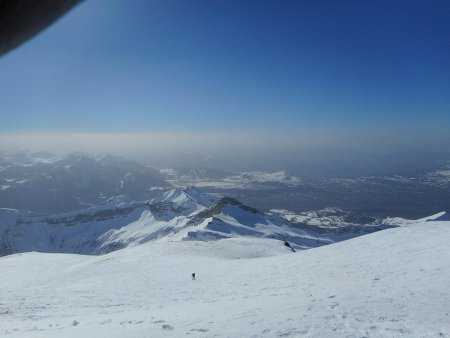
(193, 276)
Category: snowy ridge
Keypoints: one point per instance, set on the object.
(392, 283)
(401, 222)
(176, 215)
(190, 198)
(230, 218)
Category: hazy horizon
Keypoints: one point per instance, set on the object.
(353, 88)
(308, 154)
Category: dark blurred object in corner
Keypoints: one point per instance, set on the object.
(20, 20)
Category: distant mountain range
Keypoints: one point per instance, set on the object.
(174, 215)
(44, 182)
(47, 183)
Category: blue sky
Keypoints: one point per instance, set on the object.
(233, 66)
(253, 84)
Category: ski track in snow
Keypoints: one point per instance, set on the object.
(393, 283)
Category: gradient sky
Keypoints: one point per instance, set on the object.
(233, 66)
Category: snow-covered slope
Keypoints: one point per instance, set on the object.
(176, 215)
(401, 222)
(392, 283)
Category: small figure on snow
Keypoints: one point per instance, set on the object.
(286, 243)
(193, 276)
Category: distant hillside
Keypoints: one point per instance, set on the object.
(43, 182)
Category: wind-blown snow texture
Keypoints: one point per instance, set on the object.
(392, 283)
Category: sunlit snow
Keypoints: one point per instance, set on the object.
(392, 283)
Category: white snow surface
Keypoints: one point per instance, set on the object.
(393, 283)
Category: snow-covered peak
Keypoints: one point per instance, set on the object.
(189, 198)
(199, 196)
(178, 214)
(175, 215)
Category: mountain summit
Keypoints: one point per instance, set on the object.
(174, 215)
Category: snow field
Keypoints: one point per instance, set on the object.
(392, 283)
